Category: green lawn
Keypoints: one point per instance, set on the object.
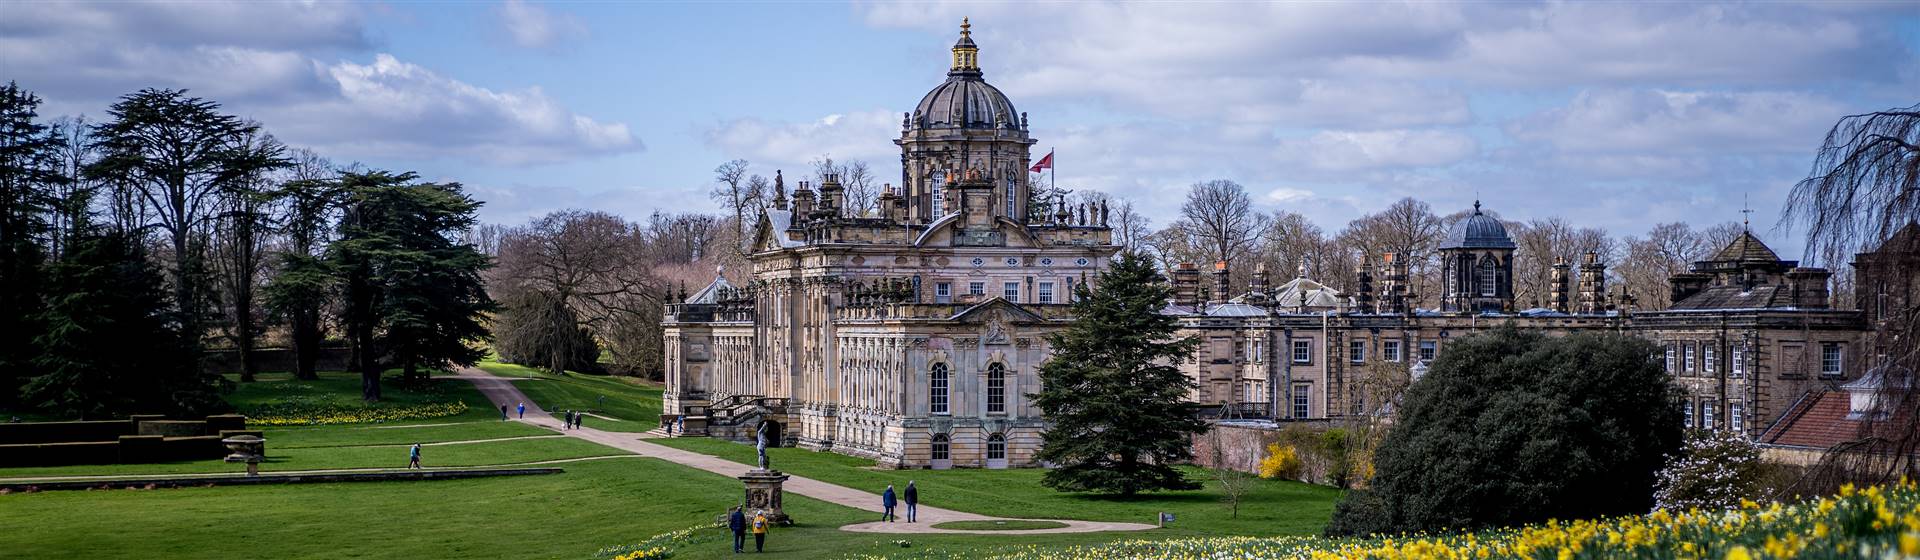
(1269, 508)
(635, 407)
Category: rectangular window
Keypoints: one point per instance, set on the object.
(1357, 351)
(1735, 416)
(977, 288)
(1712, 367)
(1300, 393)
(1706, 415)
(996, 389)
(1390, 350)
(1046, 292)
(1427, 349)
(1670, 361)
(939, 194)
(1302, 351)
(1739, 361)
(1689, 363)
(1012, 291)
(1013, 195)
(1688, 405)
(1255, 357)
(1830, 358)
(943, 292)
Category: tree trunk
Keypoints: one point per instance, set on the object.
(306, 344)
(243, 312)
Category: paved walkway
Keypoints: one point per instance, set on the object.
(502, 391)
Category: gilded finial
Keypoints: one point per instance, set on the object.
(965, 26)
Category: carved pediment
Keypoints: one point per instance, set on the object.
(998, 307)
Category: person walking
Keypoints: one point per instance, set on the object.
(887, 501)
(579, 418)
(413, 461)
(912, 497)
(523, 411)
(503, 413)
(737, 522)
(759, 530)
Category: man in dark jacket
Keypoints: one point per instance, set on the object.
(737, 522)
(912, 496)
(887, 501)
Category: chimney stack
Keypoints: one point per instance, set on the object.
(1557, 300)
(1186, 285)
(1220, 280)
(1593, 285)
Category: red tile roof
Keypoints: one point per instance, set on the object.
(1820, 421)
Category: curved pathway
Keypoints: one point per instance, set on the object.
(501, 391)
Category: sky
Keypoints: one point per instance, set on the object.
(1609, 114)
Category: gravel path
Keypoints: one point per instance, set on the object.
(502, 391)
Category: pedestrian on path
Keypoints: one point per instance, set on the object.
(579, 418)
(503, 413)
(887, 500)
(759, 530)
(523, 411)
(912, 496)
(413, 461)
(737, 522)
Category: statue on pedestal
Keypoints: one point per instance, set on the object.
(760, 444)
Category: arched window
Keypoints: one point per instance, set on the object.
(1489, 278)
(942, 448)
(938, 188)
(996, 389)
(937, 389)
(996, 451)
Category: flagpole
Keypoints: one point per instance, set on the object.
(1053, 171)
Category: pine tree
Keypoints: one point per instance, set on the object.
(413, 290)
(1114, 400)
(111, 343)
(28, 172)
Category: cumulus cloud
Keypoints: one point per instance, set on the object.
(862, 135)
(535, 27)
(1349, 150)
(281, 64)
(1682, 122)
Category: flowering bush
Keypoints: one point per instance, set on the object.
(307, 412)
(1715, 470)
(662, 545)
(1281, 462)
(1879, 522)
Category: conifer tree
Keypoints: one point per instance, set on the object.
(1112, 395)
(27, 173)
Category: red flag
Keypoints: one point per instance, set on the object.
(1044, 163)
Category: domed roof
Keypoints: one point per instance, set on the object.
(966, 101)
(1478, 231)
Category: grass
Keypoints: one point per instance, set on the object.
(1009, 525)
(634, 407)
(1270, 507)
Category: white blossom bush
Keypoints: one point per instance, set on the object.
(1714, 470)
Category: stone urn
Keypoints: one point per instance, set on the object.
(246, 448)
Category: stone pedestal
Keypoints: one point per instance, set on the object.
(763, 494)
(245, 448)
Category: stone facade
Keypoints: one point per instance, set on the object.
(908, 333)
(1747, 335)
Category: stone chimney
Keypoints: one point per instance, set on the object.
(802, 202)
(1363, 289)
(1186, 285)
(1221, 293)
(832, 195)
(893, 207)
(976, 200)
(1557, 299)
(1394, 289)
(1593, 285)
(1809, 287)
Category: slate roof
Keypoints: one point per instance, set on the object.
(1746, 248)
(711, 293)
(1736, 297)
(1317, 294)
(1478, 231)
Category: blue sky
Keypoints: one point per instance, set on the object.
(1616, 115)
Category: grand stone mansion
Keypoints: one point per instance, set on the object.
(911, 333)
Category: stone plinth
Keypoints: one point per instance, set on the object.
(246, 448)
(763, 494)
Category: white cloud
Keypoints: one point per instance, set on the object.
(1662, 122)
(276, 63)
(535, 27)
(1337, 150)
(862, 135)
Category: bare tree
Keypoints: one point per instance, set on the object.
(1292, 244)
(1219, 219)
(1230, 470)
(239, 250)
(1863, 189)
(1408, 228)
(736, 193)
(861, 192)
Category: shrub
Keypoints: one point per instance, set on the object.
(1716, 470)
(1281, 462)
(1513, 427)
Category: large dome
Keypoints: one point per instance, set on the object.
(965, 101)
(1478, 231)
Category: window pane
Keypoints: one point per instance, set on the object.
(1012, 291)
(937, 389)
(1046, 292)
(996, 388)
